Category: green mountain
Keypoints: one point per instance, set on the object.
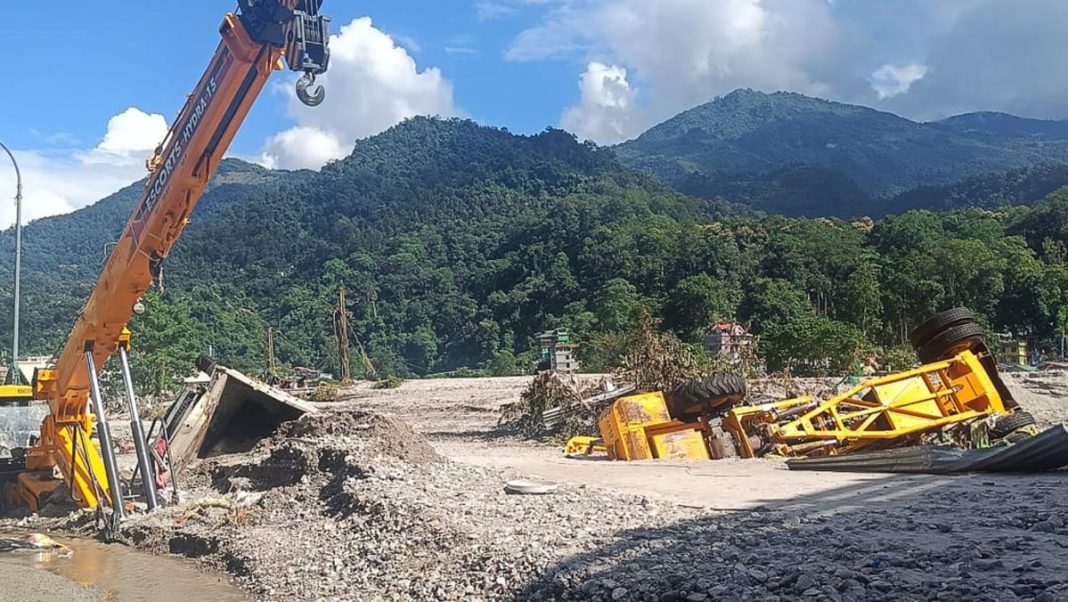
(798, 155)
(434, 226)
(458, 243)
(1017, 187)
(1006, 126)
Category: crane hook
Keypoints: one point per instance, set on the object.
(308, 92)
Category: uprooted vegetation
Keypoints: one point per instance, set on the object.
(652, 361)
(659, 361)
(550, 391)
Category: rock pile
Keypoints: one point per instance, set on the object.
(357, 506)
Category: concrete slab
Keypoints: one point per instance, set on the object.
(235, 412)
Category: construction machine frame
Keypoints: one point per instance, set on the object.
(883, 410)
(254, 41)
(880, 412)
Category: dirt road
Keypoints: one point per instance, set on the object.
(460, 417)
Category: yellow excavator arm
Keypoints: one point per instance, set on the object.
(255, 40)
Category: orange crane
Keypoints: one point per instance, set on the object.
(255, 39)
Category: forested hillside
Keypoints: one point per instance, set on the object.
(1017, 187)
(457, 243)
(792, 154)
(63, 255)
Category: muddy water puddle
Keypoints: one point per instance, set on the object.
(118, 573)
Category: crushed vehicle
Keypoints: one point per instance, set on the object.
(955, 399)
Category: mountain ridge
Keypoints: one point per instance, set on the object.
(715, 149)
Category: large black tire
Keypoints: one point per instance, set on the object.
(206, 364)
(1006, 425)
(950, 342)
(703, 396)
(925, 332)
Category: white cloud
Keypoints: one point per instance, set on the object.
(996, 56)
(488, 9)
(372, 85)
(607, 111)
(56, 182)
(132, 133)
(302, 148)
(920, 58)
(690, 51)
(891, 80)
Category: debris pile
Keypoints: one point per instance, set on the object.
(658, 361)
(549, 391)
(557, 401)
(353, 505)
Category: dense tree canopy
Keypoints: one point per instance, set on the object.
(457, 244)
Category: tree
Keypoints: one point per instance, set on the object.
(773, 301)
(617, 306)
(695, 304)
(166, 342)
(811, 346)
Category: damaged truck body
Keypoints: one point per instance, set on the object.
(956, 400)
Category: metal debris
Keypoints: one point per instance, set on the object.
(1044, 452)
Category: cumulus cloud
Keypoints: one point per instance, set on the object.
(56, 182)
(891, 80)
(372, 85)
(690, 51)
(131, 134)
(920, 58)
(606, 112)
(1001, 56)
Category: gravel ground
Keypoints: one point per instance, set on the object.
(938, 539)
(359, 507)
(24, 583)
(1044, 394)
(399, 495)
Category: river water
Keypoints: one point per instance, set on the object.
(107, 572)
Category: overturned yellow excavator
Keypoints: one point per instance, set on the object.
(957, 385)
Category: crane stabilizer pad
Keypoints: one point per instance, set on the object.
(234, 414)
(1044, 452)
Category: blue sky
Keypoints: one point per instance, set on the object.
(93, 60)
(92, 85)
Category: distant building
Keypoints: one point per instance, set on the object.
(200, 380)
(728, 340)
(1011, 350)
(557, 351)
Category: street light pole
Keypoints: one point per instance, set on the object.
(17, 378)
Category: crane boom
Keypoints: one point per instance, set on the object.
(255, 39)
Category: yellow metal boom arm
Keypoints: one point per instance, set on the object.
(254, 41)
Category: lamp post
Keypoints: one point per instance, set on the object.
(17, 378)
